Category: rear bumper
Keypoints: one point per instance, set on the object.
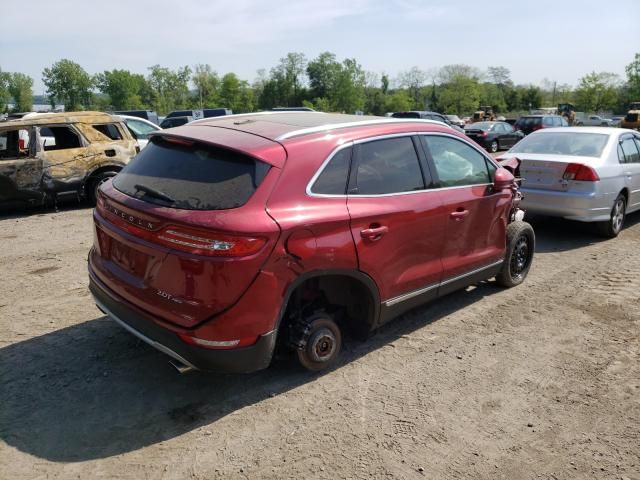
(239, 360)
(583, 207)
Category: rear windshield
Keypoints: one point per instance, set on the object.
(192, 177)
(529, 121)
(563, 143)
(405, 115)
(479, 126)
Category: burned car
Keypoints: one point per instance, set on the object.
(48, 156)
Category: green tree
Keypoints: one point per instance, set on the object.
(348, 92)
(460, 94)
(289, 78)
(125, 89)
(414, 80)
(322, 72)
(499, 75)
(531, 97)
(633, 78)
(207, 85)
(4, 90)
(21, 89)
(597, 92)
(492, 94)
(169, 89)
(398, 101)
(236, 94)
(67, 82)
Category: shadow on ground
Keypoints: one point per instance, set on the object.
(93, 391)
(559, 235)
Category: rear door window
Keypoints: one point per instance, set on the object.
(629, 151)
(333, 178)
(64, 138)
(456, 163)
(191, 176)
(387, 166)
(109, 130)
(547, 121)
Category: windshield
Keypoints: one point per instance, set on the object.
(563, 143)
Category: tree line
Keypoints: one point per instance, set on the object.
(324, 83)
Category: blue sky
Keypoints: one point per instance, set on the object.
(558, 40)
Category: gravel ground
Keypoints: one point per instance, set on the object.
(540, 381)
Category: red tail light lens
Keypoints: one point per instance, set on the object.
(186, 239)
(208, 243)
(580, 172)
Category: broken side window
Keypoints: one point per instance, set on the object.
(109, 130)
(64, 138)
(14, 143)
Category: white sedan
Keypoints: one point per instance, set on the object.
(140, 128)
(589, 174)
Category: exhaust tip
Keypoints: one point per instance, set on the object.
(180, 367)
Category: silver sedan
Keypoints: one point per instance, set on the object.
(589, 174)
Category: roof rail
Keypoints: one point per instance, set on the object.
(333, 126)
(236, 115)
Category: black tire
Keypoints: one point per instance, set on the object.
(93, 184)
(612, 227)
(323, 345)
(494, 147)
(521, 243)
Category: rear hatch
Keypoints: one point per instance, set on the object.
(182, 231)
(476, 134)
(528, 124)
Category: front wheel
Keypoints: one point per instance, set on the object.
(611, 228)
(521, 242)
(322, 343)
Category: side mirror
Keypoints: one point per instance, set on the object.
(503, 179)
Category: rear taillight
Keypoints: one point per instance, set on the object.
(208, 243)
(187, 239)
(580, 172)
(484, 134)
(217, 344)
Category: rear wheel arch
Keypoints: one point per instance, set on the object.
(352, 290)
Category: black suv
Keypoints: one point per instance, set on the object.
(531, 123)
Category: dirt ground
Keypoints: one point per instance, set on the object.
(540, 381)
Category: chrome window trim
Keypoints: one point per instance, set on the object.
(324, 164)
(382, 137)
(362, 123)
(415, 293)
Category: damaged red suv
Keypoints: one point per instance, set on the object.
(227, 236)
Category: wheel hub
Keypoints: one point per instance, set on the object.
(520, 257)
(321, 345)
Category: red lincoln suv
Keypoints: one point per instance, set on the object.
(228, 235)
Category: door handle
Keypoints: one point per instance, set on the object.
(374, 233)
(459, 214)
